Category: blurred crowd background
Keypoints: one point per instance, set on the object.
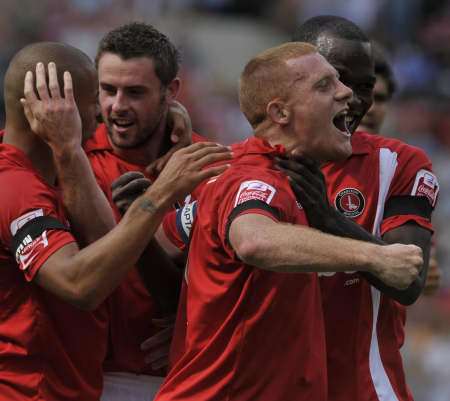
(216, 37)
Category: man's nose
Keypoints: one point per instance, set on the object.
(120, 102)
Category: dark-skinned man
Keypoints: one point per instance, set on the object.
(243, 311)
(384, 193)
(51, 349)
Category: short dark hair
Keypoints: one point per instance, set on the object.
(138, 39)
(383, 68)
(341, 27)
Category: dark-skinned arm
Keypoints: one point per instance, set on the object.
(308, 184)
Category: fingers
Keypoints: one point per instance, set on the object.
(135, 187)
(212, 172)
(126, 178)
(211, 149)
(27, 111)
(41, 84)
(181, 124)
(195, 147)
(213, 156)
(156, 166)
(28, 89)
(53, 84)
(162, 337)
(68, 88)
(311, 172)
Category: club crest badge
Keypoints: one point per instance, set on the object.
(350, 202)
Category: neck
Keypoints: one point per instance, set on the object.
(157, 144)
(34, 148)
(274, 134)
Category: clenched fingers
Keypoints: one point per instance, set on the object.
(126, 178)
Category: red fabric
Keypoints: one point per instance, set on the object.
(250, 334)
(49, 350)
(349, 301)
(131, 307)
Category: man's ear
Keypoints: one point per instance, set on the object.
(276, 110)
(172, 89)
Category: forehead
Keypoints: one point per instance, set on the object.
(347, 56)
(311, 66)
(130, 72)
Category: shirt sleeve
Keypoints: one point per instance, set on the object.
(177, 224)
(31, 221)
(413, 193)
(267, 196)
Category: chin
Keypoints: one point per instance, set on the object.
(340, 154)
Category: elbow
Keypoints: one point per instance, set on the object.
(84, 299)
(250, 251)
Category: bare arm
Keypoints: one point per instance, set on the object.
(308, 183)
(85, 278)
(56, 120)
(282, 247)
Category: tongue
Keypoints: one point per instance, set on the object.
(339, 122)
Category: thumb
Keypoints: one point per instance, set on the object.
(27, 111)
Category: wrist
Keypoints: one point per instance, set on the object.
(66, 151)
(373, 258)
(159, 198)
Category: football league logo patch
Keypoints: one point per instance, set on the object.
(350, 202)
(426, 184)
(255, 190)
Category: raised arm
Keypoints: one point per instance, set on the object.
(56, 120)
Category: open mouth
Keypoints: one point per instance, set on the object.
(122, 123)
(342, 121)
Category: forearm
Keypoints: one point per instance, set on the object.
(347, 228)
(341, 226)
(161, 277)
(292, 248)
(97, 270)
(88, 210)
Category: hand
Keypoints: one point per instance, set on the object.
(397, 265)
(433, 280)
(158, 346)
(127, 188)
(186, 169)
(180, 126)
(308, 183)
(53, 118)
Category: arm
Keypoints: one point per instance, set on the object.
(261, 242)
(161, 277)
(85, 278)
(308, 184)
(57, 121)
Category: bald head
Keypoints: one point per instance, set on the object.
(67, 58)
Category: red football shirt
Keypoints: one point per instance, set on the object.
(364, 328)
(251, 334)
(49, 350)
(131, 307)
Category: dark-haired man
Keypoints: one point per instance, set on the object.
(50, 348)
(137, 68)
(386, 187)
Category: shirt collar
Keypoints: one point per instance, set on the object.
(254, 145)
(98, 141)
